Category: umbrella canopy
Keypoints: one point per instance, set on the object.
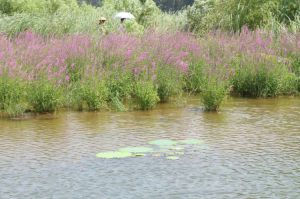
(124, 15)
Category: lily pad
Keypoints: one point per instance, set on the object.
(192, 141)
(163, 142)
(136, 149)
(114, 154)
(172, 158)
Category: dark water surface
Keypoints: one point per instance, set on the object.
(253, 151)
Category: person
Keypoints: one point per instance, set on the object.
(103, 29)
(102, 20)
(122, 26)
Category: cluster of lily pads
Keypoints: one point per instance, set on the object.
(170, 149)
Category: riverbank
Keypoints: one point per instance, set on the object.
(80, 72)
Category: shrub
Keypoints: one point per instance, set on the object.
(146, 95)
(119, 84)
(44, 96)
(288, 84)
(258, 82)
(75, 69)
(92, 94)
(195, 77)
(296, 69)
(232, 15)
(213, 95)
(12, 94)
(169, 83)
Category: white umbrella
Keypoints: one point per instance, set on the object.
(124, 15)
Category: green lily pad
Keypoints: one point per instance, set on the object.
(192, 142)
(136, 149)
(163, 142)
(172, 158)
(114, 154)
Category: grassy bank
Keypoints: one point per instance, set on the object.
(128, 71)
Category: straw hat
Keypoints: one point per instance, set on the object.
(102, 19)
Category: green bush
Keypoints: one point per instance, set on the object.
(146, 95)
(213, 95)
(198, 15)
(288, 84)
(169, 83)
(120, 84)
(44, 96)
(260, 82)
(92, 94)
(195, 77)
(12, 94)
(232, 15)
(76, 68)
(296, 68)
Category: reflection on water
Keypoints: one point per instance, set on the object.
(253, 152)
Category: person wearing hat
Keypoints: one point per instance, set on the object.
(103, 27)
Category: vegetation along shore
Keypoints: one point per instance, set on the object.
(54, 54)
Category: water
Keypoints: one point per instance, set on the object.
(253, 151)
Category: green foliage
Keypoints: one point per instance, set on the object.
(35, 6)
(133, 27)
(253, 14)
(232, 15)
(166, 22)
(288, 84)
(198, 15)
(288, 10)
(195, 78)
(260, 82)
(12, 94)
(75, 68)
(120, 88)
(213, 94)
(169, 83)
(83, 19)
(120, 84)
(91, 93)
(296, 69)
(146, 95)
(44, 96)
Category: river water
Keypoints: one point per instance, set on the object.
(252, 150)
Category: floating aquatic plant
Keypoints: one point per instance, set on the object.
(166, 148)
(114, 154)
